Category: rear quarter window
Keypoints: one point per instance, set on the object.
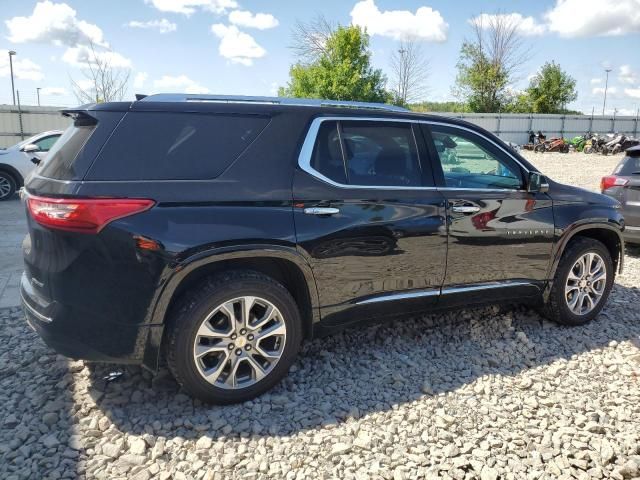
(628, 166)
(60, 161)
(175, 146)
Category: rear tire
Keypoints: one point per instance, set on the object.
(246, 354)
(565, 306)
(8, 186)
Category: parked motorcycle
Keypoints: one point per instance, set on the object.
(579, 142)
(552, 145)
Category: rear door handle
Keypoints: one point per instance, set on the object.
(321, 211)
(465, 209)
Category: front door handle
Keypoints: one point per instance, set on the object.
(321, 211)
(465, 209)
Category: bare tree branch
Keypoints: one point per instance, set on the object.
(409, 72)
(308, 40)
(102, 81)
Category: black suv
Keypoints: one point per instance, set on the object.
(217, 233)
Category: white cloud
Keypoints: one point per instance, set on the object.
(632, 92)
(163, 25)
(237, 46)
(188, 7)
(54, 23)
(425, 24)
(140, 79)
(600, 91)
(526, 26)
(627, 75)
(584, 18)
(80, 56)
(23, 68)
(261, 21)
(181, 83)
(596, 81)
(54, 91)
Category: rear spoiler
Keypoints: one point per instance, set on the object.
(81, 117)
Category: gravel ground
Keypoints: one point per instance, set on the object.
(489, 393)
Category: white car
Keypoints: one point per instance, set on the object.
(18, 161)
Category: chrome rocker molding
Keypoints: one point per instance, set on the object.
(304, 159)
(444, 291)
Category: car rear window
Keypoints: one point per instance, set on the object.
(60, 160)
(175, 146)
(628, 166)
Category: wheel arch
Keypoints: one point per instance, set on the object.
(609, 234)
(14, 173)
(284, 264)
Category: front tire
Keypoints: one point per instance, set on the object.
(234, 338)
(582, 283)
(7, 186)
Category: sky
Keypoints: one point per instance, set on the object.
(242, 47)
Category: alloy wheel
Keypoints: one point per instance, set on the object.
(586, 283)
(5, 186)
(239, 342)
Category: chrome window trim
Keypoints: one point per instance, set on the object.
(444, 291)
(306, 153)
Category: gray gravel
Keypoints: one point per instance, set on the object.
(489, 393)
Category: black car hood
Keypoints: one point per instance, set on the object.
(563, 194)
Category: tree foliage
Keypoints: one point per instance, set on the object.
(488, 64)
(550, 90)
(340, 71)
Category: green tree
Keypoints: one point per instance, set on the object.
(342, 71)
(551, 89)
(488, 63)
(480, 82)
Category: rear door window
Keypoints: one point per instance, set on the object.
(175, 146)
(381, 154)
(368, 153)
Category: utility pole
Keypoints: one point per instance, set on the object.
(606, 84)
(13, 89)
(38, 93)
(20, 117)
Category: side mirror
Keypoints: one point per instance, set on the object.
(30, 148)
(537, 183)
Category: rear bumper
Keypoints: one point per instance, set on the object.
(80, 335)
(631, 234)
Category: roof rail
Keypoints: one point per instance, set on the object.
(302, 102)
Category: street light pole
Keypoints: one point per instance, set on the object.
(13, 90)
(606, 85)
(38, 93)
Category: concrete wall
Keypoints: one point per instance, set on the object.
(34, 120)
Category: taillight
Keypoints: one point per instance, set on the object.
(612, 181)
(85, 215)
